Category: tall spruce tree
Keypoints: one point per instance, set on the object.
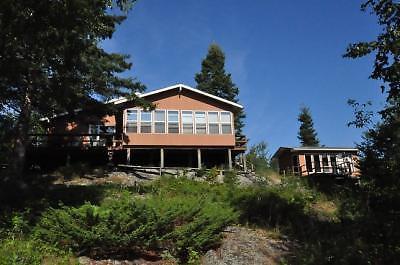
(213, 79)
(307, 134)
(51, 61)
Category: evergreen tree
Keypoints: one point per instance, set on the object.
(214, 80)
(51, 61)
(380, 163)
(307, 134)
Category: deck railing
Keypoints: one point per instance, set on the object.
(85, 140)
(240, 142)
(343, 169)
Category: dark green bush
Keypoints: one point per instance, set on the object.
(176, 223)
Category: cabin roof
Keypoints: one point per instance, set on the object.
(314, 148)
(180, 87)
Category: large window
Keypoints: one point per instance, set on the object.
(173, 121)
(213, 123)
(226, 123)
(200, 118)
(131, 121)
(187, 122)
(159, 121)
(145, 122)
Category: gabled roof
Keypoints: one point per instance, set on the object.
(180, 87)
(315, 148)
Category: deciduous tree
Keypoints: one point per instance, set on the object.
(380, 165)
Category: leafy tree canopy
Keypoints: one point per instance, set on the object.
(380, 164)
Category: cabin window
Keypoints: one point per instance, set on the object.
(200, 118)
(187, 122)
(145, 122)
(226, 124)
(309, 165)
(317, 163)
(159, 121)
(325, 163)
(296, 164)
(173, 121)
(213, 123)
(131, 120)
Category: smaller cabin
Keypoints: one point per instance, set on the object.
(305, 161)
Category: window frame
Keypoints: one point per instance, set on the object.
(205, 122)
(168, 122)
(182, 123)
(155, 121)
(137, 120)
(151, 122)
(226, 123)
(218, 122)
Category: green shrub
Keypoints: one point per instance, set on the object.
(231, 178)
(18, 251)
(212, 175)
(177, 223)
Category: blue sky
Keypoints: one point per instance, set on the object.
(281, 54)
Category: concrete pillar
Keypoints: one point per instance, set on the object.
(162, 158)
(128, 156)
(199, 158)
(229, 159)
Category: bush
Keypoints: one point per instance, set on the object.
(231, 178)
(18, 251)
(176, 223)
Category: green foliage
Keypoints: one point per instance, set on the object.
(231, 178)
(380, 164)
(177, 223)
(307, 134)
(258, 156)
(214, 80)
(212, 175)
(56, 67)
(18, 251)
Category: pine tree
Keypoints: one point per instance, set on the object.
(51, 61)
(213, 79)
(307, 134)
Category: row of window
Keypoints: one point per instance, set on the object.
(174, 121)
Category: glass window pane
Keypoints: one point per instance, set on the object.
(173, 116)
(173, 127)
(159, 115)
(131, 115)
(213, 117)
(187, 117)
(213, 128)
(145, 127)
(145, 116)
(201, 128)
(225, 117)
(188, 128)
(159, 127)
(200, 117)
(131, 127)
(226, 129)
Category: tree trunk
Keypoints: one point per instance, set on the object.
(22, 137)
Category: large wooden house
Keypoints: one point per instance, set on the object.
(187, 128)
